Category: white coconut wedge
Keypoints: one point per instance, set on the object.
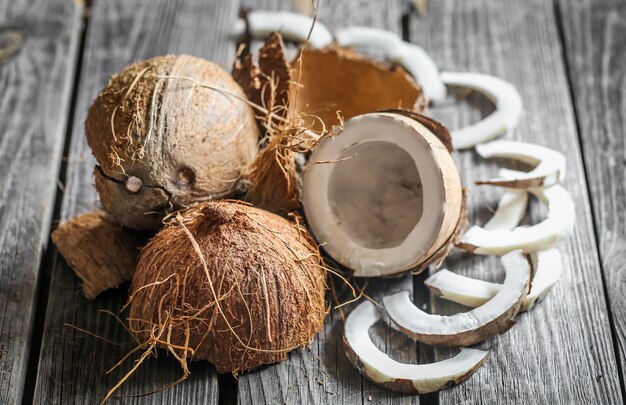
(504, 95)
(463, 329)
(401, 377)
(292, 26)
(542, 236)
(413, 58)
(549, 164)
(511, 210)
(473, 293)
(383, 195)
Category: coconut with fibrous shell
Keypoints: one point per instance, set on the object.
(228, 283)
(167, 132)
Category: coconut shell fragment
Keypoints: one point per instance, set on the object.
(231, 284)
(181, 126)
(101, 252)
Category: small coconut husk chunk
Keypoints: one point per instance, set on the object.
(464, 329)
(383, 195)
(100, 251)
(335, 82)
(168, 132)
(401, 377)
(504, 95)
(542, 236)
(228, 283)
(473, 293)
(549, 170)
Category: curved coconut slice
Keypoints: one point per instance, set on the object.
(549, 170)
(383, 195)
(463, 329)
(401, 377)
(413, 58)
(293, 26)
(511, 210)
(542, 236)
(473, 293)
(508, 107)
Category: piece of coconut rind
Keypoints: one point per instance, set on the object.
(508, 107)
(542, 236)
(467, 328)
(511, 210)
(550, 164)
(402, 377)
(293, 26)
(472, 292)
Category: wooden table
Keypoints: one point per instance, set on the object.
(566, 57)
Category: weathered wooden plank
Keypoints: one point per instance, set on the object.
(72, 364)
(562, 351)
(322, 374)
(38, 48)
(594, 44)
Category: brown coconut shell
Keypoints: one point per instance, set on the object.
(237, 285)
(179, 124)
(100, 251)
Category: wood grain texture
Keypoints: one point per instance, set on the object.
(323, 374)
(73, 364)
(35, 92)
(562, 351)
(594, 34)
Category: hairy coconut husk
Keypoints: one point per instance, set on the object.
(100, 251)
(180, 125)
(228, 283)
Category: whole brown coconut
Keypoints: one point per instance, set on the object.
(168, 132)
(231, 284)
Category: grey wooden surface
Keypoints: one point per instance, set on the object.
(566, 59)
(595, 51)
(35, 87)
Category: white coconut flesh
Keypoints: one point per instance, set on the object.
(402, 377)
(549, 164)
(558, 224)
(292, 26)
(382, 195)
(413, 58)
(473, 293)
(466, 328)
(504, 95)
(510, 212)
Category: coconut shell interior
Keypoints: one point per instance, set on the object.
(336, 80)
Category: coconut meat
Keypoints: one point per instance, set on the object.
(292, 26)
(412, 57)
(363, 195)
(402, 377)
(472, 292)
(467, 327)
(542, 236)
(549, 164)
(511, 210)
(504, 95)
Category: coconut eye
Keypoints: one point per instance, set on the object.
(133, 184)
(185, 176)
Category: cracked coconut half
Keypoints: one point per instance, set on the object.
(383, 195)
